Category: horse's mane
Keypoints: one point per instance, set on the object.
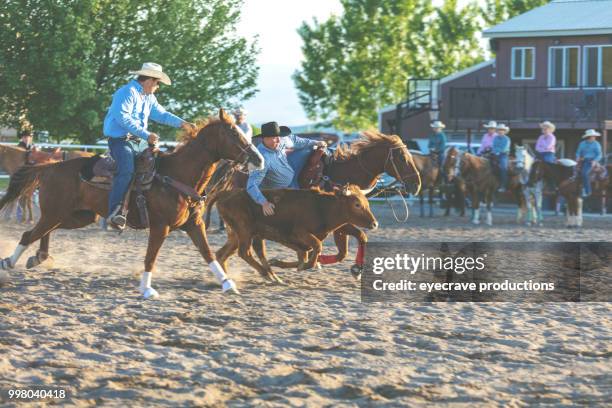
(370, 139)
(188, 136)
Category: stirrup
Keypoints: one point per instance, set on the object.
(117, 222)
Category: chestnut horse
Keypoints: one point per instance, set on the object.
(571, 189)
(68, 202)
(11, 159)
(361, 165)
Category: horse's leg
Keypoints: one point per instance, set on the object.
(579, 212)
(475, 207)
(227, 250)
(431, 194)
(157, 236)
(196, 230)
(489, 201)
(29, 201)
(207, 217)
(78, 219)
(42, 228)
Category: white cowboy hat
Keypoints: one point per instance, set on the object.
(437, 124)
(591, 132)
(240, 111)
(153, 70)
(491, 125)
(548, 124)
(502, 126)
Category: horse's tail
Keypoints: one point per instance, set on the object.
(23, 181)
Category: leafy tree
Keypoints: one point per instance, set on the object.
(497, 11)
(360, 61)
(452, 38)
(61, 61)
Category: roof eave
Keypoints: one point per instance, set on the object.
(547, 33)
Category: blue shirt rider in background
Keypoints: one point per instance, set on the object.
(501, 149)
(280, 169)
(437, 141)
(589, 151)
(125, 125)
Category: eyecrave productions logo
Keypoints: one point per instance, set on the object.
(487, 272)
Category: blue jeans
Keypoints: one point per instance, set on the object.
(123, 153)
(503, 168)
(586, 183)
(548, 157)
(297, 159)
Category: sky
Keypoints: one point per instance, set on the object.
(276, 23)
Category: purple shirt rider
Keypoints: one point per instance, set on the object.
(486, 143)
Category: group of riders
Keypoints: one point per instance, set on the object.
(126, 128)
(495, 145)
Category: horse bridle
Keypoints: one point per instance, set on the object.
(391, 158)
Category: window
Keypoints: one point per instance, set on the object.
(598, 65)
(564, 67)
(523, 63)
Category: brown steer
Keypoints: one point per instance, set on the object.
(301, 220)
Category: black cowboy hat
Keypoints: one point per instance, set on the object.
(271, 129)
(25, 133)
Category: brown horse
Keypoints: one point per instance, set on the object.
(571, 190)
(68, 202)
(11, 159)
(428, 168)
(479, 178)
(361, 165)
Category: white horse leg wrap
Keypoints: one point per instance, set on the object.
(489, 218)
(17, 254)
(218, 271)
(145, 282)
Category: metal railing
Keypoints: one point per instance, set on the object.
(524, 103)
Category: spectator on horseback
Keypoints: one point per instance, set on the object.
(546, 145)
(501, 149)
(240, 116)
(125, 125)
(26, 140)
(487, 138)
(280, 170)
(437, 141)
(589, 152)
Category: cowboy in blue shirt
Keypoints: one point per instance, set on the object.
(589, 151)
(437, 141)
(280, 170)
(126, 123)
(501, 149)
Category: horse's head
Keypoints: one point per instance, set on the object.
(231, 144)
(400, 165)
(520, 157)
(452, 163)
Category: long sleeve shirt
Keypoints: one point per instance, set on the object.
(487, 142)
(546, 143)
(501, 144)
(277, 173)
(589, 150)
(130, 111)
(437, 142)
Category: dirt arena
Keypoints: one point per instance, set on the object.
(81, 324)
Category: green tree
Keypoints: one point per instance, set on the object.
(61, 61)
(497, 11)
(452, 38)
(360, 61)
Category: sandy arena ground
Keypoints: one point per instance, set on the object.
(81, 324)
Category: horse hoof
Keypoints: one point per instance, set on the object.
(276, 279)
(319, 266)
(5, 264)
(356, 271)
(229, 285)
(150, 293)
(4, 278)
